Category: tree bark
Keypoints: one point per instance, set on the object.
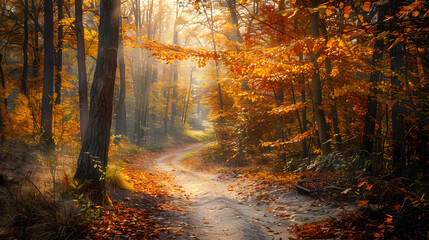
(185, 111)
(25, 50)
(3, 81)
(317, 88)
(121, 115)
(174, 98)
(59, 55)
(371, 107)
(234, 35)
(93, 156)
(36, 40)
(48, 76)
(398, 113)
(334, 111)
(2, 111)
(83, 85)
(170, 76)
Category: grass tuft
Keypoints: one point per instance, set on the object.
(116, 178)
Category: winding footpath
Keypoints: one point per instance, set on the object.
(214, 212)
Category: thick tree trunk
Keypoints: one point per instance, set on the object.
(93, 156)
(59, 55)
(317, 88)
(48, 76)
(371, 107)
(121, 116)
(25, 50)
(83, 85)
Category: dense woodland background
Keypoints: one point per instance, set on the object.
(294, 85)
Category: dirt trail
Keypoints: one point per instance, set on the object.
(214, 212)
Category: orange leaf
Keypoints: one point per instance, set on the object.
(361, 184)
(330, 42)
(330, 11)
(362, 203)
(396, 207)
(366, 6)
(378, 235)
(347, 11)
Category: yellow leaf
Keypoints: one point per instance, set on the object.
(360, 16)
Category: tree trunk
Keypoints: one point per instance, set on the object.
(317, 88)
(48, 76)
(235, 34)
(170, 76)
(25, 50)
(36, 41)
(93, 156)
(121, 116)
(3, 81)
(398, 113)
(175, 76)
(59, 56)
(334, 111)
(174, 98)
(371, 107)
(2, 111)
(83, 85)
(137, 76)
(185, 111)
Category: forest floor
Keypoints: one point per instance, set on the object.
(184, 203)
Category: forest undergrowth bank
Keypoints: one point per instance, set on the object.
(40, 200)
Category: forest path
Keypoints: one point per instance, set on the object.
(212, 211)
